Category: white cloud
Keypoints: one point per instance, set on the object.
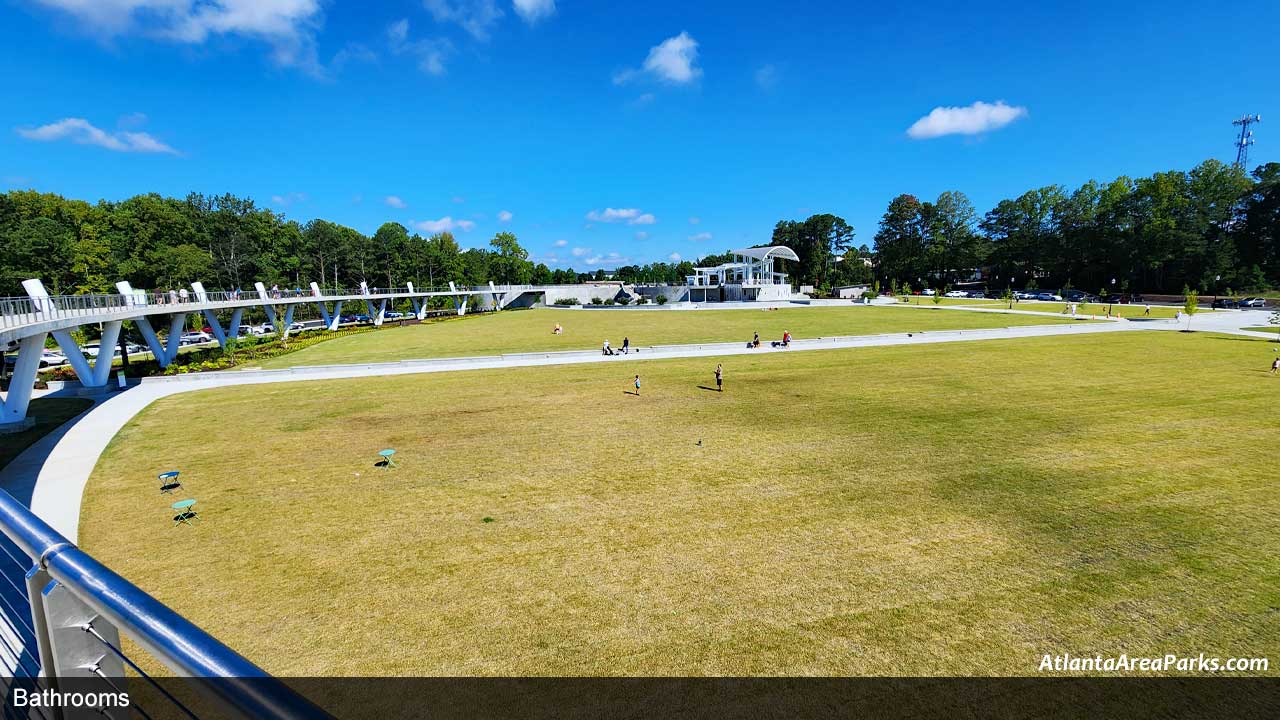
(977, 118)
(458, 199)
(532, 11)
(289, 198)
(695, 220)
(431, 54)
(288, 26)
(674, 60)
(444, 224)
(505, 216)
(700, 237)
(81, 131)
(561, 243)
(395, 202)
(612, 259)
(642, 235)
(474, 16)
(767, 77)
(632, 216)
(674, 257)
(580, 251)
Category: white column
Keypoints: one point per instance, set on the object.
(143, 324)
(288, 320)
(315, 290)
(74, 355)
(201, 295)
(216, 326)
(13, 409)
(106, 351)
(336, 317)
(177, 323)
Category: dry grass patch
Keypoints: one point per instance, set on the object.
(950, 509)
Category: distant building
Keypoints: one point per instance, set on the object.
(750, 276)
(851, 291)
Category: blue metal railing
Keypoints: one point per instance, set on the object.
(183, 648)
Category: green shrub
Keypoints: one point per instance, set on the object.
(568, 301)
(624, 300)
(609, 301)
(662, 299)
(596, 301)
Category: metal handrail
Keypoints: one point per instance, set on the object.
(184, 648)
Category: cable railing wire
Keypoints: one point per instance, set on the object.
(134, 666)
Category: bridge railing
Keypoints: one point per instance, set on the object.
(77, 610)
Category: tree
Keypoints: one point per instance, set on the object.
(511, 265)
(816, 241)
(899, 241)
(1191, 305)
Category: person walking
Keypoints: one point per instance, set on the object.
(626, 345)
(1275, 365)
(755, 341)
(183, 295)
(606, 350)
(637, 386)
(1147, 312)
(720, 376)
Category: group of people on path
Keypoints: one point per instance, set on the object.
(608, 350)
(784, 342)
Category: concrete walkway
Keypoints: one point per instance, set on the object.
(54, 473)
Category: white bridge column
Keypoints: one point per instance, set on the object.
(379, 315)
(13, 409)
(459, 302)
(97, 374)
(330, 320)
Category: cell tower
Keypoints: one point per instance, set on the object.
(1245, 139)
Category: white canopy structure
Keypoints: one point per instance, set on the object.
(750, 276)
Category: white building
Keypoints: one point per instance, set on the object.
(750, 276)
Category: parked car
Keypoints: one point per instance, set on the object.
(392, 315)
(136, 349)
(93, 349)
(1253, 302)
(977, 294)
(1225, 303)
(927, 292)
(244, 330)
(363, 319)
(1048, 297)
(347, 319)
(297, 327)
(49, 358)
(195, 338)
(264, 329)
(1078, 296)
(1024, 295)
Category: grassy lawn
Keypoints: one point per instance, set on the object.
(930, 510)
(530, 330)
(49, 414)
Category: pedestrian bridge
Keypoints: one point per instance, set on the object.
(28, 322)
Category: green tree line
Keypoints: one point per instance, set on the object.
(228, 242)
(1213, 227)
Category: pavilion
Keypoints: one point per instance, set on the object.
(751, 276)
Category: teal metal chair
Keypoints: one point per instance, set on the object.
(186, 510)
(387, 462)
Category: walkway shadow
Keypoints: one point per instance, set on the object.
(18, 478)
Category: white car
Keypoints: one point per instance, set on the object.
(49, 358)
(92, 350)
(957, 294)
(195, 338)
(927, 291)
(264, 329)
(297, 327)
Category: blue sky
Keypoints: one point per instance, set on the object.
(608, 133)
